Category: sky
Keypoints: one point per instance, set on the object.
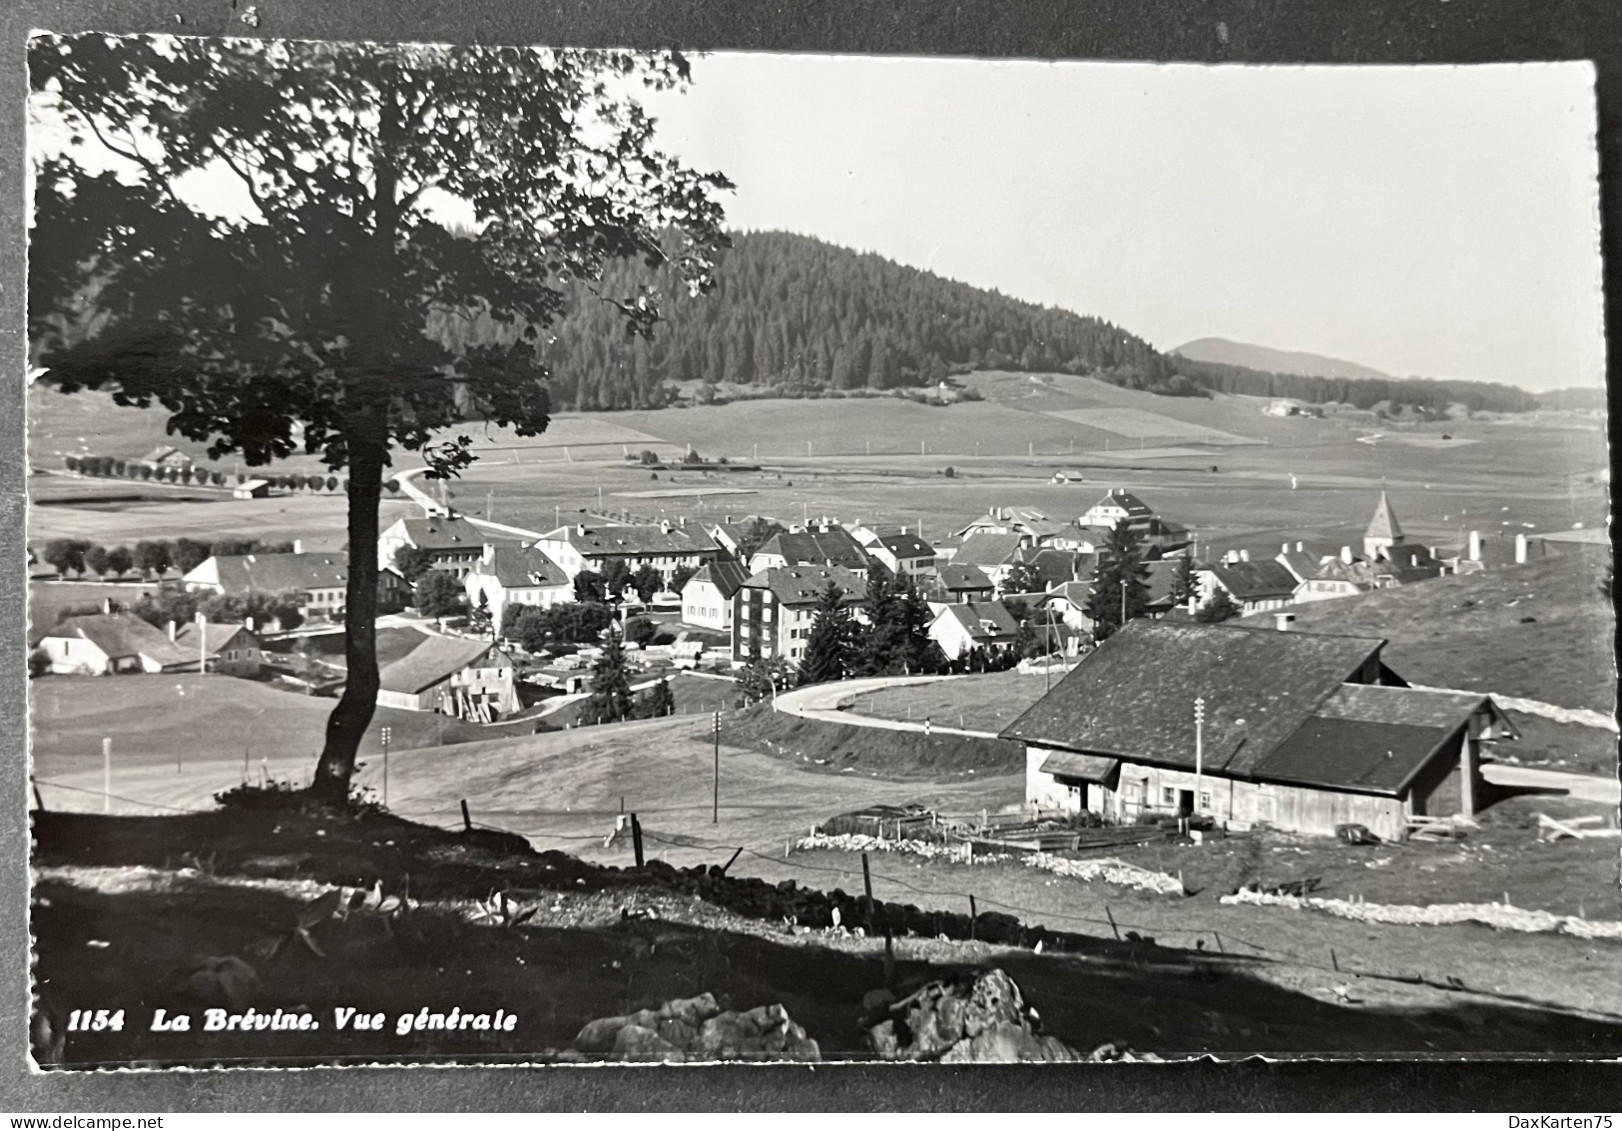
(1426, 221)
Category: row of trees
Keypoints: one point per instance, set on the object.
(149, 557)
(1360, 392)
(110, 467)
(285, 608)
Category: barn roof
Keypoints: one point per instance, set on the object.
(436, 658)
(271, 573)
(1134, 696)
(1354, 754)
(635, 540)
(454, 533)
(120, 634)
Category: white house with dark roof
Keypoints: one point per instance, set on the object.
(113, 644)
(455, 543)
(1254, 586)
(665, 547)
(994, 554)
(973, 624)
(470, 679)
(1300, 732)
(706, 599)
(229, 649)
(903, 554)
(773, 610)
(167, 456)
(1119, 506)
(515, 575)
(321, 579)
(823, 544)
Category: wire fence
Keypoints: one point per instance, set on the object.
(1338, 965)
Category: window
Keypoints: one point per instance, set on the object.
(1168, 795)
(1205, 800)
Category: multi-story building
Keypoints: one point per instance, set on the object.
(773, 610)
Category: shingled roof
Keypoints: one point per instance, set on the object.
(906, 545)
(986, 549)
(272, 573)
(437, 658)
(1120, 497)
(834, 546)
(956, 577)
(454, 533)
(1255, 581)
(1384, 523)
(725, 574)
(1134, 696)
(521, 567)
(641, 540)
(119, 634)
(804, 585)
(985, 622)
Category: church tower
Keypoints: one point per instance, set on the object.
(1383, 532)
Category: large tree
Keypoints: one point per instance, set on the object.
(313, 316)
(1120, 583)
(831, 644)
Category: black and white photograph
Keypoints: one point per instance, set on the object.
(555, 555)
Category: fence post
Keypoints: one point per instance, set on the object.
(636, 839)
(467, 818)
(974, 917)
(732, 860)
(106, 775)
(40, 801)
(1112, 925)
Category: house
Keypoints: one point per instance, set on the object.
(730, 536)
(903, 554)
(1298, 560)
(706, 599)
(512, 575)
(664, 547)
(1254, 586)
(470, 679)
(773, 610)
(1298, 731)
(1055, 567)
(975, 624)
(322, 580)
(1034, 526)
(455, 543)
(251, 489)
(229, 649)
(820, 545)
(167, 456)
(995, 554)
(113, 644)
(1117, 507)
(955, 582)
(1068, 602)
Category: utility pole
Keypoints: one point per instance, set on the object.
(1123, 602)
(202, 644)
(385, 737)
(1199, 748)
(715, 801)
(106, 775)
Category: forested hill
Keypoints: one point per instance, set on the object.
(791, 315)
(799, 314)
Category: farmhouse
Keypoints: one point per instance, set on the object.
(772, 610)
(470, 679)
(1300, 732)
(113, 644)
(507, 575)
(976, 624)
(455, 543)
(994, 554)
(664, 547)
(229, 649)
(322, 580)
(825, 544)
(1034, 526)
(706, 599)
(251, 489)
(167, 456)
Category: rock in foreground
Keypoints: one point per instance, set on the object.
(698, 1029)
(972, 1018)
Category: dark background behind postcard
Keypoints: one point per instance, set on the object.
(1257, 31)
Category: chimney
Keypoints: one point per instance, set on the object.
(1346, 554)
(248, 624)
(580, 529)
(1231, 557)
(1285, 548)
(1300, 546)
(298, 545)
(488, 554)
(1283, 621)
(1244, 555)
(107, 604)
(170, 629)
(664, 526)
(1520, 549)
(1475, 545)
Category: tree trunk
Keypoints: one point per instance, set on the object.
(347, 724)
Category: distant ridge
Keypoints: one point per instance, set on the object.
(1220, 351)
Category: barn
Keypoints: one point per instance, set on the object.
(470, 679)
(1251, 726)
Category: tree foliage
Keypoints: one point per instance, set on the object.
(411, 562)
(610, 700)
(1217, 608)
(758, 678)
(322, 317)
(573, 622)
(1120, 560)
(831, 646)
(1185, 584)
(439, 594)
